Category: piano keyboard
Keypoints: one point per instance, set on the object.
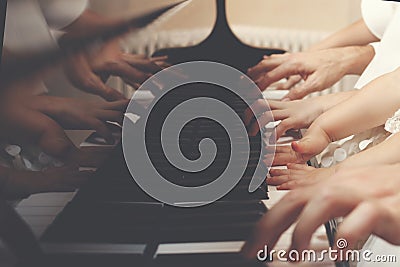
(97, 235)
(112, 222)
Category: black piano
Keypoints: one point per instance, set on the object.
(112, 222)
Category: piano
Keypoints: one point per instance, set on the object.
(112, 222)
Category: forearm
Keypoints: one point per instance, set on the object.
(355, 34)
(357, 58)
(329, 101)
(369, 108)
(386, 152)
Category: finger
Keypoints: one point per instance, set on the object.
(278, 180)
(291, 82)
(279, 218)
(309, 146)
(163, 64)
(120, 105)
(159, 58)
(302, 167)
(292, 184)
(279, 172)
(280, 72)
(283, 127)
(261, 121)
(265, 65)
(144, 65)
(94, 85)
(101, 129)
(276, 104)
(311, 85)
(279, 114)
(360, 223)
(138, 56)
(110, 115)
(55, 142)
(111, 94)
(328, 204)
(282, 159)
(125, 70)
(258, 107)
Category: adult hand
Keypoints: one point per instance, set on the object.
(34, 120)
(77, 114)
(89, 72)
(319, 69)
(367, 197)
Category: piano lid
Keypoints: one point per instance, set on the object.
(221, 46)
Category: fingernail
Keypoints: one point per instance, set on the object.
(286, 99)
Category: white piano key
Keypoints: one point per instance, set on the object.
(275, 94)
(201, 247)
(75, 248)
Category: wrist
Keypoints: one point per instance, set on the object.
(357, 58)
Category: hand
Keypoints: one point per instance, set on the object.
(368, 198)
(32, 120)
(89, 72)
(298, 114)
(19, 184)
(319, 69)
(298, 175)
(77, 114)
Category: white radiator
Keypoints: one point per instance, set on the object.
(149, 40)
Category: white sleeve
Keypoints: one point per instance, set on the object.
(61, 13)
(377, 14)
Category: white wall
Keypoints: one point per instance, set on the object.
(324, 15)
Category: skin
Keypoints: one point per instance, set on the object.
(369, 206)
(321, 66)
(297, 114)
(90, 70)
(369, 108)
(319, 69)
(300, 175)
(42, 119)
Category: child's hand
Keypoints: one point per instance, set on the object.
(314, 142)
(298, 114)
(298, 175)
